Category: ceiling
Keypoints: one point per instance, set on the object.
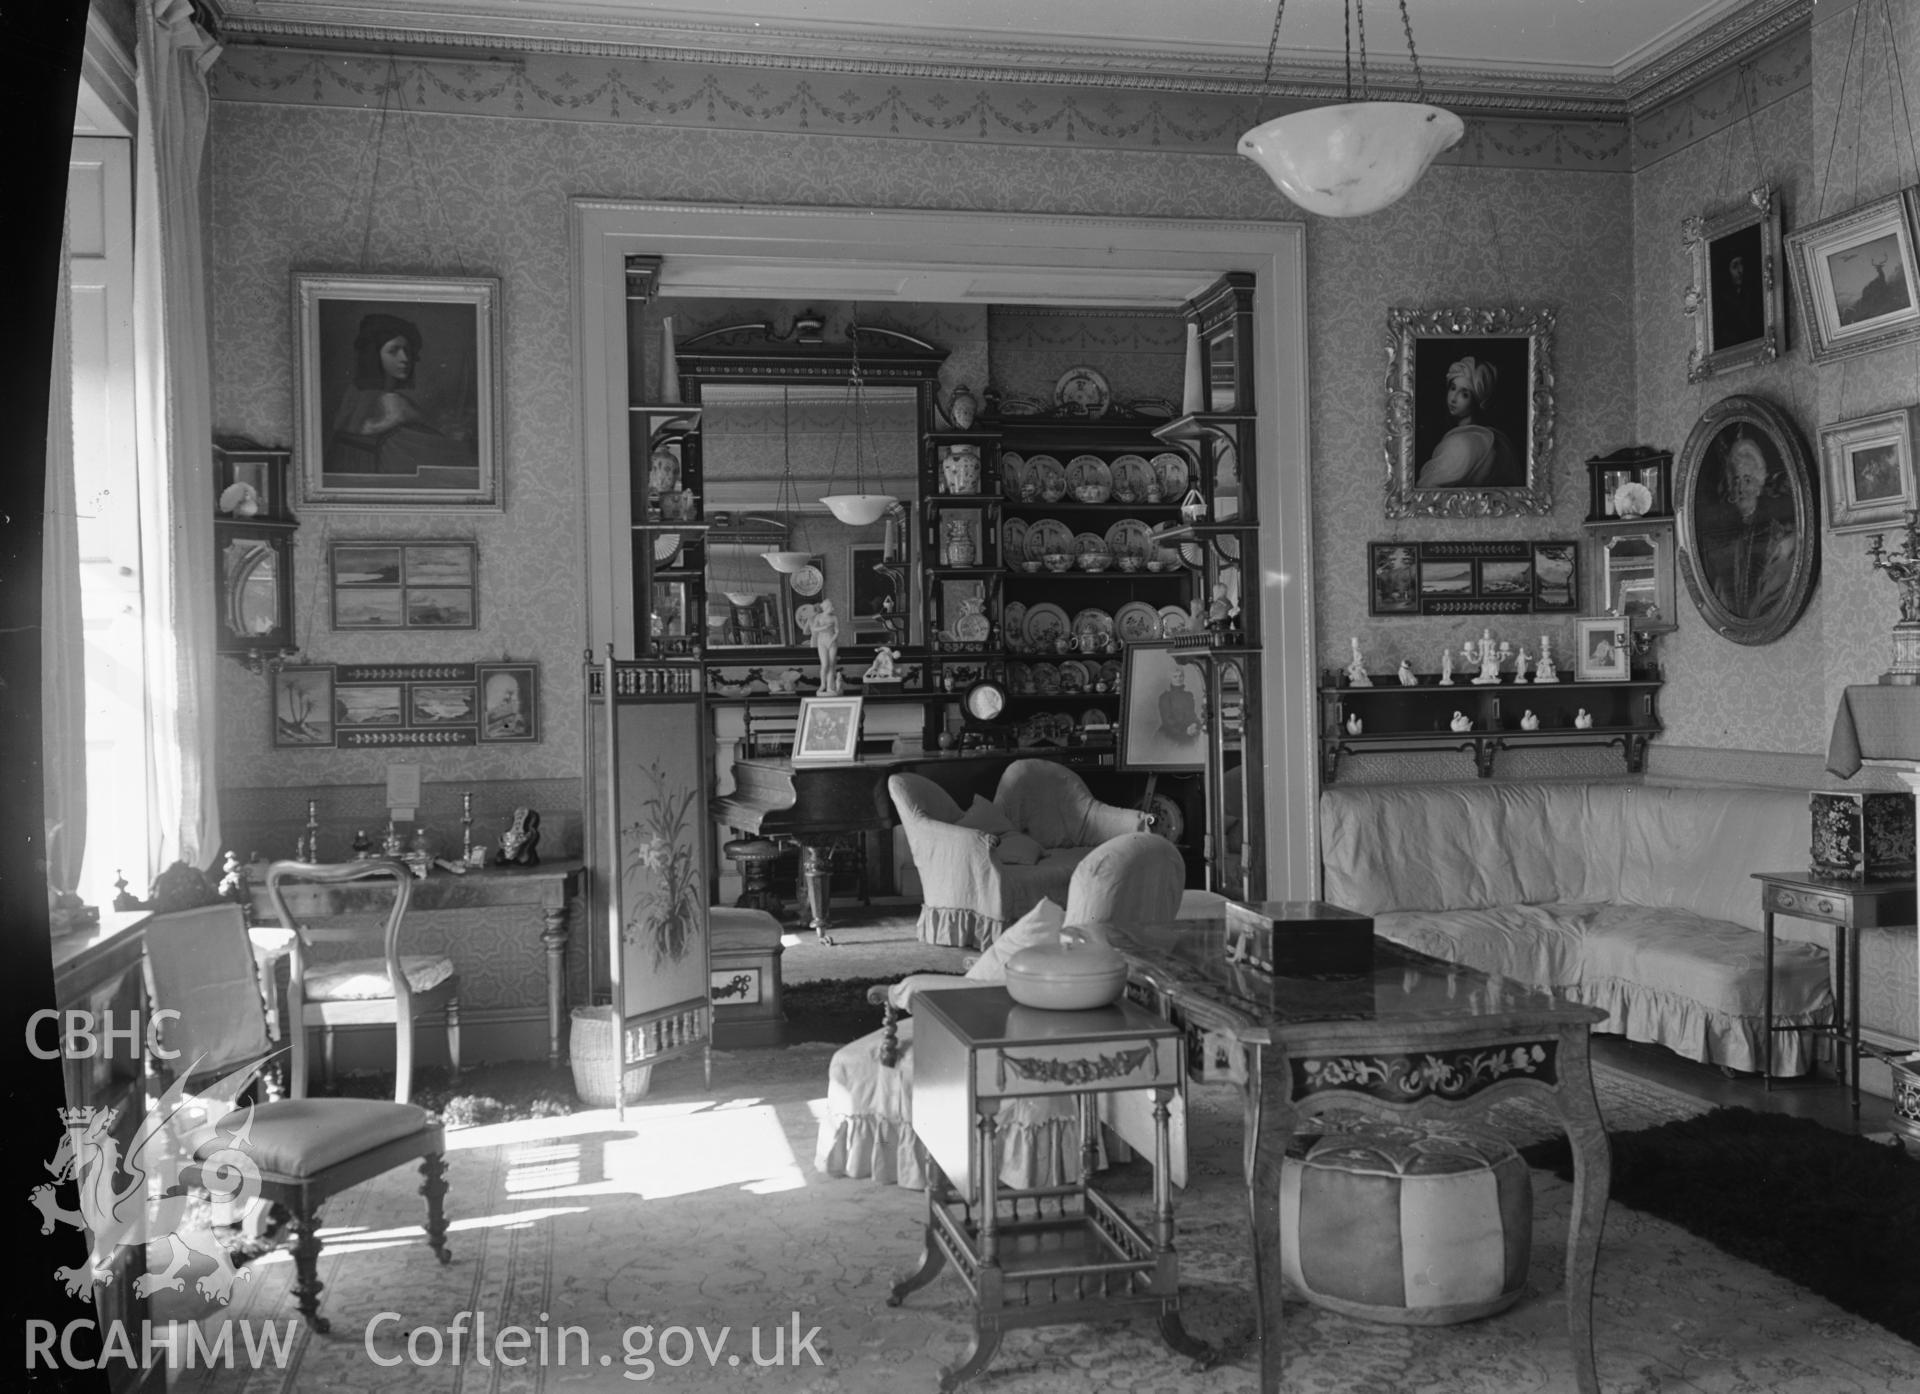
(1585, 52)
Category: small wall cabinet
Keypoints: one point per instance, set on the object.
(1392, 716)
(253, 545)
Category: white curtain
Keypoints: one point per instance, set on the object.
(63, 675)
(173, 403)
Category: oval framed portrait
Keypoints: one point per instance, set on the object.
(1749, 531)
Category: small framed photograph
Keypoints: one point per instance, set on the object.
(399, 391)
(1854, 275)
(1869, 468)
(828, 729)
(509, 702)
(1605, 652)
(1556, 577)
(441, 704)
(1735, 297)
(1469, 412)
(1631, 572)
(405, 585)
(303, 706)
(1395, 579)
(1163, 710)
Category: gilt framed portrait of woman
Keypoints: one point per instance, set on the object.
(1469, 412)
(1749, 532)
(399, 391)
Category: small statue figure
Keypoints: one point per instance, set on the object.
(1520, 664)
(1407, 679)
(1528, 721)
(1544, 671)
(1583, 719)
(825, 629)
(1357, 670)
(362, 845)
(1220, 611)
(1354, 725)
(1446, 667)
(882, 668)
(1461, 722)
(519, 843)
(234, 882)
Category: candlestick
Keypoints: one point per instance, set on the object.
(466, 825)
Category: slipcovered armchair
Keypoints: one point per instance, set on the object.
(982, 868)
(868, 1127)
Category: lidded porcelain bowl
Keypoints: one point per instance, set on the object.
(1074, 975)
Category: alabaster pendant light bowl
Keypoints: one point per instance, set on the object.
(1355, 158)
(786, 563)
(858, 510)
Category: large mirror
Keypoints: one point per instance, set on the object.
(755, 438)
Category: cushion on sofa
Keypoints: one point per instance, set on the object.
(985, 816)
(1017, 849)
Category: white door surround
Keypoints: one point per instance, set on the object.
(932, 256)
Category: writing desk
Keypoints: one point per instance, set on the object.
(1416, 1037)
(549, 887)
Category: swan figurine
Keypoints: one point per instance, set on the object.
(1461, 722)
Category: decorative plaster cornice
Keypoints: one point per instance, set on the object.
(1737, 37)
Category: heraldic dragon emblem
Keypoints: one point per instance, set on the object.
(143, 1200)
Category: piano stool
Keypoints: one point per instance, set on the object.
(756, 856)
(744, 977)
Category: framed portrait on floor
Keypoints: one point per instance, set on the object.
(1868, 463)
(1163, 710)
(1748, 534)
(1469, 412)
(398, 380)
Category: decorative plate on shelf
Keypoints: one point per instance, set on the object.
(1168, 821)
(1082, 392)
(1046, 535)
(1133, 479)
(1075, 676)
(1174, 622)
(1050, 475)
(807, 580)
(1019, 675)
(1109, 674)
(1090, 542)
(1137, 622)
(1063, 727)
(1130, 538)
(1089, 480)
(663, 472)
(1046, 622)
(803, 615)
(1046, 679)
(1013, 541)
(1013, 473)
(1099, 621)
(1170, 468)
(1013, 623)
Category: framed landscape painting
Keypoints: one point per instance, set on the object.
(1868, 463)
(399, 391)
(1855, 277)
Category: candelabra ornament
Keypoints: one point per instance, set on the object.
(466, 827)
(308, 847)
(1904, 567)
(1482, 654)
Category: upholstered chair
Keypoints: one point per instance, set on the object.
(981, 868)
(868, 1127)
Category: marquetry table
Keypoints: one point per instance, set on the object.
(1414, 1038)
(1050, 1254)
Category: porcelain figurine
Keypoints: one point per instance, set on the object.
(825, 629)
(1461, 722)
(1357, 670)
(881, 670)
(1520, 664)
(1528, 721)
(1483, 654)
(1407, 679)
(1544, 671)
(1354, 725)
(1446, 667)
(1583, 719)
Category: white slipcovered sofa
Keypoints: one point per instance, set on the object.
(1635, 898)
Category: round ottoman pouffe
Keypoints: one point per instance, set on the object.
(1421, 1224)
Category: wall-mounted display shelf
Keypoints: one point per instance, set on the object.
(1392, 716)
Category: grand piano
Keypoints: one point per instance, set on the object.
(819, 806)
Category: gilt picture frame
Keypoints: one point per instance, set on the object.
(1856, 280)
(1745, 520)
(1868, 466)
(1735, 298)
(1469, 414)
(398, 383)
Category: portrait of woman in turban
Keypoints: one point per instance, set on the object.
(1474, 453)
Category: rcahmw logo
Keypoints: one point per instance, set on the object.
(140, 1198)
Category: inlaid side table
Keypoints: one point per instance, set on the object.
(1848, 906)
(1051, 1254)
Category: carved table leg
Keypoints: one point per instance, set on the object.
(816, 870)
(932, 1257)
(1592, 1175)
(554, 936)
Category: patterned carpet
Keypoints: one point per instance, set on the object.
(702, 1211)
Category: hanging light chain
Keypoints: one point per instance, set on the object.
(1360, 11)
(1419, 80)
